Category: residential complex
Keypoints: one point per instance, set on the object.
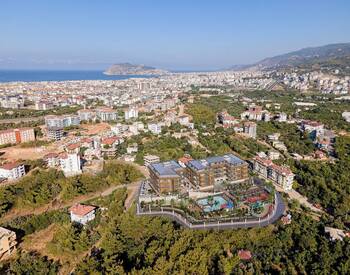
(197, 174)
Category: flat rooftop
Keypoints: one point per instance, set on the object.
(204, 163)
(166, 169)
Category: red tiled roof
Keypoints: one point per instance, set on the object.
(185, 159)
(81, 210)
(109, 140)
(63, 155)
(51, 155)
(244, 254)
(73, 146)
(10, 166)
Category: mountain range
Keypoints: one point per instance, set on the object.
(328, 55)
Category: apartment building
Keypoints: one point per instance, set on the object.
(205, 173)
(131, 112)
(8, 242)
(253, 113)
(52, 121)
(86, 114)
(12, 171)
(70, 164)
(14, 136)
(166, 177)
(55, 133)
(199, 174)
(149, 159)
(249, 128)
(43, 105)
(106, 114)
(280, 175)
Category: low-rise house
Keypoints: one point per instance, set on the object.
(311, 126)
(12, 171)
(244, 255)
(82, 213)
(7, 242)
(109, 145)
(273, 154)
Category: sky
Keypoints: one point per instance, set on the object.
(175, 35)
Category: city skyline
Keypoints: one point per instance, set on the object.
(176, 36)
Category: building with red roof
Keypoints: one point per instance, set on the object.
(82, 214)
(281, 175)
(12, 170)
(244, 255)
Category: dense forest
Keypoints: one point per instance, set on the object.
(125, 243)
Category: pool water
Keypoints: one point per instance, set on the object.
(216, 203)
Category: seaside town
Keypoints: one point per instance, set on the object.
(167, 126)
(174, 137)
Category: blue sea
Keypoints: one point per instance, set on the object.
(48, 75)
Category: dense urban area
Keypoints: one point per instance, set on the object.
(229, 172)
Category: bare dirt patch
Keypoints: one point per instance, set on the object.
(93, 129)
(16, 152)
(38, 240)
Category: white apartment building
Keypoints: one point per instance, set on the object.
(249, 128)
(86, 114)
(131, 112)
(106, 114)
(12, 171)
(70, 164)
(52, 121)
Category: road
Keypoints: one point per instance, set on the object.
(293, 194)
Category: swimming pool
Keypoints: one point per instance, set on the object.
(214, 203)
